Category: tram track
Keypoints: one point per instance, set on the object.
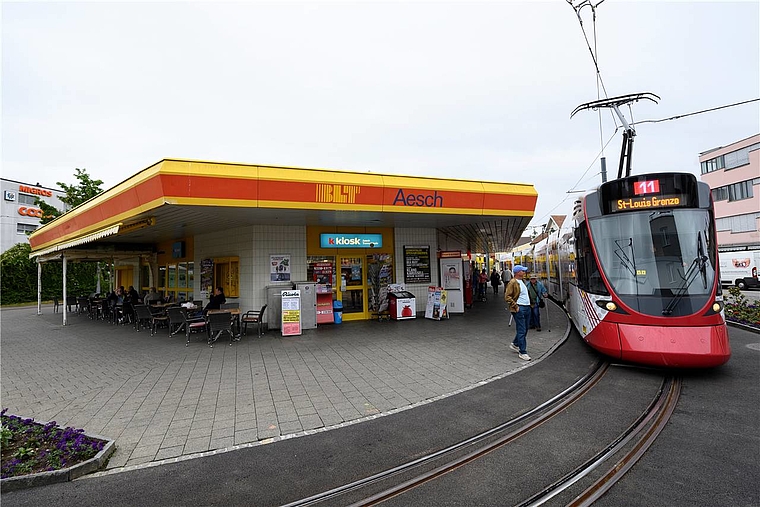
(498, 435)
(632, 442)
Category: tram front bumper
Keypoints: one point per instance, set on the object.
(681, 347)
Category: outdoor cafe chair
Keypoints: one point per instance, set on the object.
(219, 323)
(176, 318)
(254, 317)
(193, 325)
(143, 316)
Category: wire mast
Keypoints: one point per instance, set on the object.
(629, 132)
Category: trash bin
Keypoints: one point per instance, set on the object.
(402, 305)
(338, 311)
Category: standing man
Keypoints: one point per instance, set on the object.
(506, 276)
(536, 293)
(516, 296)
(495, 280)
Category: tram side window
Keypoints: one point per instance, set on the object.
(588, 276)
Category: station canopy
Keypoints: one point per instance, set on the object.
(175, 199)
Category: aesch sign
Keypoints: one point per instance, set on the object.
(350, 240)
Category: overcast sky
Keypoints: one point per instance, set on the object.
(467, 90)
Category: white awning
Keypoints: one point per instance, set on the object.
(89, 238)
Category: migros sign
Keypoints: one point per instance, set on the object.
(35, 191)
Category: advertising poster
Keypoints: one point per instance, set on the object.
(279, 268)
(436, 304)
(451, 274)
(323, 273)
(207, 275)
(291, 312)
(417, 264)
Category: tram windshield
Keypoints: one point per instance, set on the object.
(664, 259)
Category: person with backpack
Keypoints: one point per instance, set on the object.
(536, 293)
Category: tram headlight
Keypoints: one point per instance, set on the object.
(716, 307)
(610, 306)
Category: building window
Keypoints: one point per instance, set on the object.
(25, 228)
(740, 191)
(720, 194)
(738, 223)
(728, 161)
(711, 165)
(26, 198)
(176, 280)
(736, 191)
(739, 157)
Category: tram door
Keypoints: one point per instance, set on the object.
(352, 288)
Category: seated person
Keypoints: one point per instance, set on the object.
(216, 301)
(152, 297)
(132, 295)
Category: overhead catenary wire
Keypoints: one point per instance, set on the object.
(696, 112)
(594, 53)
(581, 179)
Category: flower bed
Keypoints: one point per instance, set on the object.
(739, 309)
(34, 453)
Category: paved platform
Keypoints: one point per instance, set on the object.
(162, 401)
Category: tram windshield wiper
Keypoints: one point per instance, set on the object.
(625, 261)
(697, 266)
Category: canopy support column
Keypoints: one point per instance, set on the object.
(39, 287)
(65, 296)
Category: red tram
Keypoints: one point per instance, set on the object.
(636, 268)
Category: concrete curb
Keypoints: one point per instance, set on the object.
(751, 329)
(64, 475)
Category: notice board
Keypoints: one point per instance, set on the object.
(417, 264)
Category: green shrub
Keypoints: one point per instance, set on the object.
(18, 277)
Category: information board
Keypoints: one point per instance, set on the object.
(417, 264)
(291, 312)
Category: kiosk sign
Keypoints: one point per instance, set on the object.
(350, 240)
(291, 312)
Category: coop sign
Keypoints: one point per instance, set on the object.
(350, 240)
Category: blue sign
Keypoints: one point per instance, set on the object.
(350, 240)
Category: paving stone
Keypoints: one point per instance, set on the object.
(148, 393)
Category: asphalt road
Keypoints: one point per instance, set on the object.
(707, 455)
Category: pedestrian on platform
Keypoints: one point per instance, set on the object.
(516, 296)
(483, 285)
(495, 281)
(506, 275)
(536, 292)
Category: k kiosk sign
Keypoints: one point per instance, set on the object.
(350, 240)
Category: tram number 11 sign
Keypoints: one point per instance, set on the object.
(291, 312)
(646, 187)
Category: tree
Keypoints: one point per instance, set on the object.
(75, 195)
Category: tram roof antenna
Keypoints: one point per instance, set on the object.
(629, 131)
